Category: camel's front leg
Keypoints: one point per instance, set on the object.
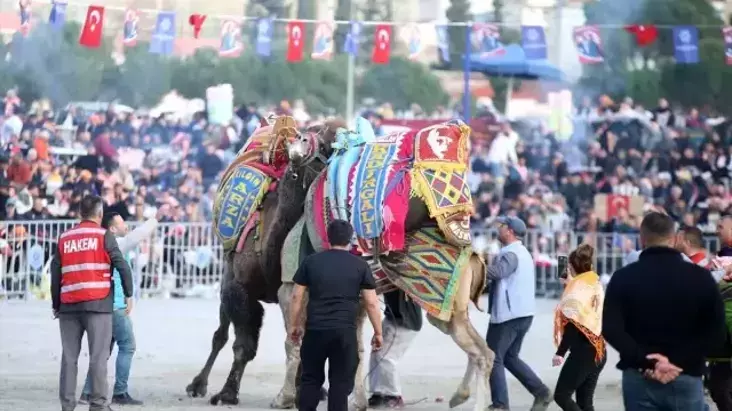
(359, 402)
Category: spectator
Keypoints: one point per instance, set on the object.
(19, 172)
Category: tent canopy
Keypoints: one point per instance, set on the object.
(513, 63)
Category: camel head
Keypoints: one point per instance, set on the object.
(312, 147)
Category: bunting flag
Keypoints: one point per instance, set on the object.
(263, 44)
(91, 32)
(533, 40)
(589, 45)
(196, 22)
(686, 44)
(382, 44)
(57, 17)
(129, 28)
(727, 35)
(163, 37)
(295, 43)
(25, 16)
(486, 39)
(413, 37)
(323, 41)
(443, 42)
(231, 45)
(353, 39)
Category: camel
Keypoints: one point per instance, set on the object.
(253, 269)
(305, 153)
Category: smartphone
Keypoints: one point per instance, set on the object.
(562, 262)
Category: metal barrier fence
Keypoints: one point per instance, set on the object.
(186, 259)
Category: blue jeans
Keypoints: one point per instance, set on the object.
(124, 336)
(505, 340)
(685, 393)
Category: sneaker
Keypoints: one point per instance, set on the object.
(542, 403)
(386, 401)
(84, 399)
(376, 401)
(125, 399)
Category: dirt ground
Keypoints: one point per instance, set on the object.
(173, 340)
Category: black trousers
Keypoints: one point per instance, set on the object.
(340, 348)
(720, 385)
(579, 375)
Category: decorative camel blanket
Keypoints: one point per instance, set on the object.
(428, 270)
(294, 250)
(237, 200)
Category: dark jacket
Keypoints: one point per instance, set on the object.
(663, 304)
(98, 306)
(402, 311)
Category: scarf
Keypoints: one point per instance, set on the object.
(581, 304)
(701, 259)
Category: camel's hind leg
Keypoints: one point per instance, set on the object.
(247, 314)
(199, 385)
(288, 394)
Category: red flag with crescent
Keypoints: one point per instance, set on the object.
(91, 33)
(382, 44)
(615, 203)
(295, 41)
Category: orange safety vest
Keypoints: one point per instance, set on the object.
(86, 269)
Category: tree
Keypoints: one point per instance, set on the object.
(458, 12)
(402, 83)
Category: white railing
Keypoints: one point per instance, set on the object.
(186, 259)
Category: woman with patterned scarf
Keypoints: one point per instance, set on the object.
(578, 329)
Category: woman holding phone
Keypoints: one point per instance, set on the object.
(578, 330)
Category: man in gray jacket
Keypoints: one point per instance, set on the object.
(82, 294)
(512, 305)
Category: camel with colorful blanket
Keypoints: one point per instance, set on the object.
(258, 202)
(408, 199)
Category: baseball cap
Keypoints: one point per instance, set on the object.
(514, 223)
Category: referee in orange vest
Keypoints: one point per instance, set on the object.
(81, 290)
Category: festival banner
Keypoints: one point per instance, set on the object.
(57, 16)
(486, 40)
(91, 32)
(129, 28)
(727, 35)
(412, 35)
(295, 43)
(443, 42)
(533, 41)
(25, 16)
(353, 39)
(323, 41)
(382, 44)
(686, 45)
(231, 45)
(163, 37)
(589, 44)
(263, 44)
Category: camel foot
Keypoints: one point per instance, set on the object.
(197, 387)
(225, 397)
(459, 398)
(283, 401)
(356, 405)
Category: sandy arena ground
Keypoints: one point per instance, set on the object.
(173, 340)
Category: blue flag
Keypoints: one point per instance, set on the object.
(533, 41)
(57, 18)
(443, 42)
(163, 37)
(353, 39)
(264, 37)
(686, 44)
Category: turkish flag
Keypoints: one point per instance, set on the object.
(295, 41)
(382, 44)
(615, 203)
(91, 33)
(645, 34)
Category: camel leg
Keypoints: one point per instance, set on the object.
(359, 402)
(287, 395)
(199, 385)
(247, 314)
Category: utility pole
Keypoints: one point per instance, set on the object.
(351, 74)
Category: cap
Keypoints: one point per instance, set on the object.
(514, 223)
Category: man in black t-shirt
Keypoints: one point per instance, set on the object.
(335, 280)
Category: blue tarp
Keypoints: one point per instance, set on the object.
(513, 63)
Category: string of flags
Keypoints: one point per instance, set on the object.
(485, 38)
